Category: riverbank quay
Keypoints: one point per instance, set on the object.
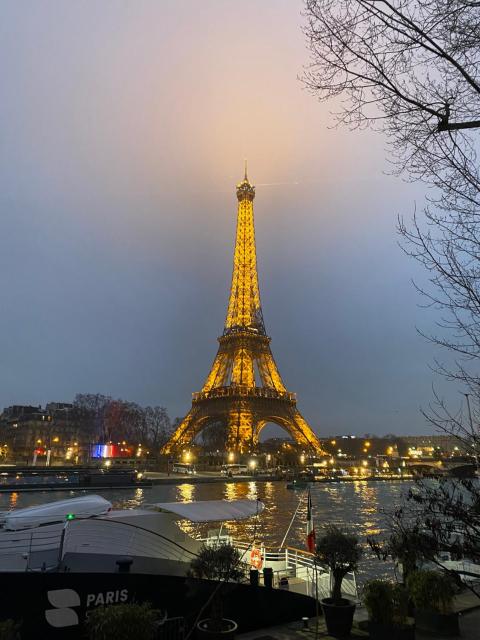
(158, 478)
(69, 479)
(149, 479)
(205, 477)
(154, 478)
(69, 487)
(467, 604)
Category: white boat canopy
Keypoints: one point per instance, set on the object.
(61, 510)
(212, 510)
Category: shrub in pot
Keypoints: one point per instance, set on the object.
(432, 595)
(220, 563)
(122, 622)
(340, 552)
(9, 629)
(387, 606)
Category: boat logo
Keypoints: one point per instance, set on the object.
(63, 615)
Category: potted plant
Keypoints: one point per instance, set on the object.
(387, 606)
(432, 595)
(340, 552)
(122, 622)
(9, 629)
(220, 563)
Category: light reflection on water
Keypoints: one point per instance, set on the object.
(186, 492)
(356, 505)
(13, 500)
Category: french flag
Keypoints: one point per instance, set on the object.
(310, 525)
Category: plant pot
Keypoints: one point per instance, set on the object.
(378, 631)
(227, 630)
(268, 577)
(254, 577)
(438, 624)
(338, 617)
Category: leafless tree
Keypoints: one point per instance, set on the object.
(109, 420)
(435, 518)
(158, 425)
(411, 68)
(90, 414)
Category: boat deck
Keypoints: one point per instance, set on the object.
(293, 569)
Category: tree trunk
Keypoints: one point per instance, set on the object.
(337, 587)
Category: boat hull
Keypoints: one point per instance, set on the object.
(55, 605)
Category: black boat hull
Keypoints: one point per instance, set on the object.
(55, 605)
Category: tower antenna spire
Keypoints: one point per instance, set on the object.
(246, 177)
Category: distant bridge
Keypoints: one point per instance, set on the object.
(442, 468)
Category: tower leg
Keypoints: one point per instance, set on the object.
(302, 433)
(184, 433)
(240, 428)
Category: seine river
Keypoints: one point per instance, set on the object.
(356, 505)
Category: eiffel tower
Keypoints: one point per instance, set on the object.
(244, 390)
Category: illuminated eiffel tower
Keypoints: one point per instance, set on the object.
(244, 390)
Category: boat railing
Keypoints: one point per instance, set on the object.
(300, 568)
(31, 549)
(217, 540)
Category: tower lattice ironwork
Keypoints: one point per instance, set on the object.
(244, 390)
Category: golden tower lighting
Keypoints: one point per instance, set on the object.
(244, 390)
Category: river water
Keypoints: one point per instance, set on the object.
(358, 506)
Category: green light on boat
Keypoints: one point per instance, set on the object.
(70, 516)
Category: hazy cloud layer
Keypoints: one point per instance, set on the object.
(123, 128)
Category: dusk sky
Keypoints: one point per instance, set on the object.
(123, 130)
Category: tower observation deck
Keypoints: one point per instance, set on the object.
(243, 390)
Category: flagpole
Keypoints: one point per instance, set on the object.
(315, 568)
(310, 526)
